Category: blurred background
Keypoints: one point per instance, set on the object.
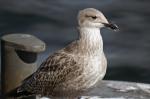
(54, 22)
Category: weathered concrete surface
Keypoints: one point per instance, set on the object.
(118, 90)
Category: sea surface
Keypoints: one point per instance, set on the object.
(55, 22)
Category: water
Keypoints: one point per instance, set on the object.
(128, 51)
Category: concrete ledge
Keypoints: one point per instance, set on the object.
(119, 90)
(116, 90)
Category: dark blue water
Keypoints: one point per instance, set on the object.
(54, 21)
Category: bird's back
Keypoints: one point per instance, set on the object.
(64, 73)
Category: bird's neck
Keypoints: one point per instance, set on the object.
(90, 40)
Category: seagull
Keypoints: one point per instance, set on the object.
(75, 68)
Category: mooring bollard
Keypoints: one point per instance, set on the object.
(19, 55)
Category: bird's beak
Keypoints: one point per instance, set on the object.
(111, 26)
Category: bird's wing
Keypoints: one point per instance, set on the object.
(52, 72)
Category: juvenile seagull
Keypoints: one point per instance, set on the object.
(75, 68)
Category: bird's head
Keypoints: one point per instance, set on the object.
(91, 17)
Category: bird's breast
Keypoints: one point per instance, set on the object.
(92, 70)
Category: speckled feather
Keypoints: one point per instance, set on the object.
(62, 74)
(75, 68)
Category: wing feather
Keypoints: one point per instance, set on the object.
(52, 72)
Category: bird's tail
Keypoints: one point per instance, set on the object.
(18, 92)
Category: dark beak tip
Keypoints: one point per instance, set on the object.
(112, 26)
(116, 29)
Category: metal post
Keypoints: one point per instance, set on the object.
(19, 55)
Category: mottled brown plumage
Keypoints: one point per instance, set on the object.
(75, 68)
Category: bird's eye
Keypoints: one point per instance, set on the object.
(94, 17)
